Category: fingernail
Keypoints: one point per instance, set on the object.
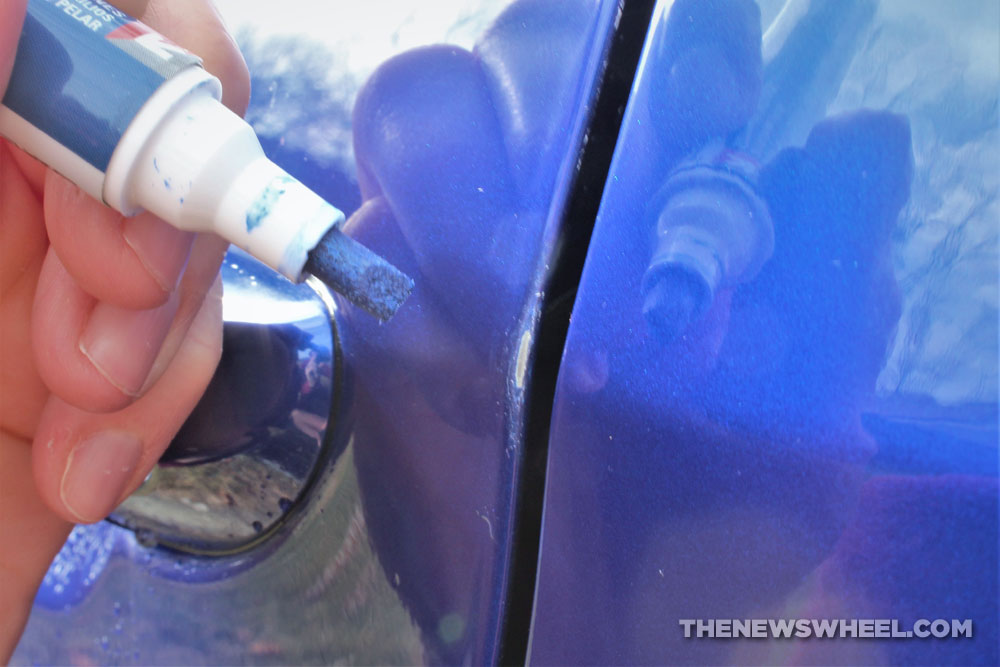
(162, 249)
(123, 343)
(97, 473)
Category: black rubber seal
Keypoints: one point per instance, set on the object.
(585, 193)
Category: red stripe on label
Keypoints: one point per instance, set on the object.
(129, 31)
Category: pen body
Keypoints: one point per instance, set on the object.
(83, 72)
(136, 122)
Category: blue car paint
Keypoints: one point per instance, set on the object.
(402, 551)
(440, 390)
(784, 457)
(748, 468)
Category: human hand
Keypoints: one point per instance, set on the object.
(110, 329)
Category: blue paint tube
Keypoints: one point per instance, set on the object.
(136, 122)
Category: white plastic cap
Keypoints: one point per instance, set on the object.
(199, 166)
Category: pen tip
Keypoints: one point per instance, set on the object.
(363, 277)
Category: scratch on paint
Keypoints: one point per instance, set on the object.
(488, 524)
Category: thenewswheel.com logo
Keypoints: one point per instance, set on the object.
(838, 628)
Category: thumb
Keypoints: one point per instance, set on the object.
(11, 18)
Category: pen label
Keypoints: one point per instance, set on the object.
(84, 69)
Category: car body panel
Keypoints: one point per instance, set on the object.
(399, 551)
(812, 435)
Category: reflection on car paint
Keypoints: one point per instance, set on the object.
(747, 464)
(713, 232)
(461, 160)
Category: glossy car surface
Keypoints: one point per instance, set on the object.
(817, 438)
(777, 394)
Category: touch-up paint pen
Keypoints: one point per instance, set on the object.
(136, 122)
